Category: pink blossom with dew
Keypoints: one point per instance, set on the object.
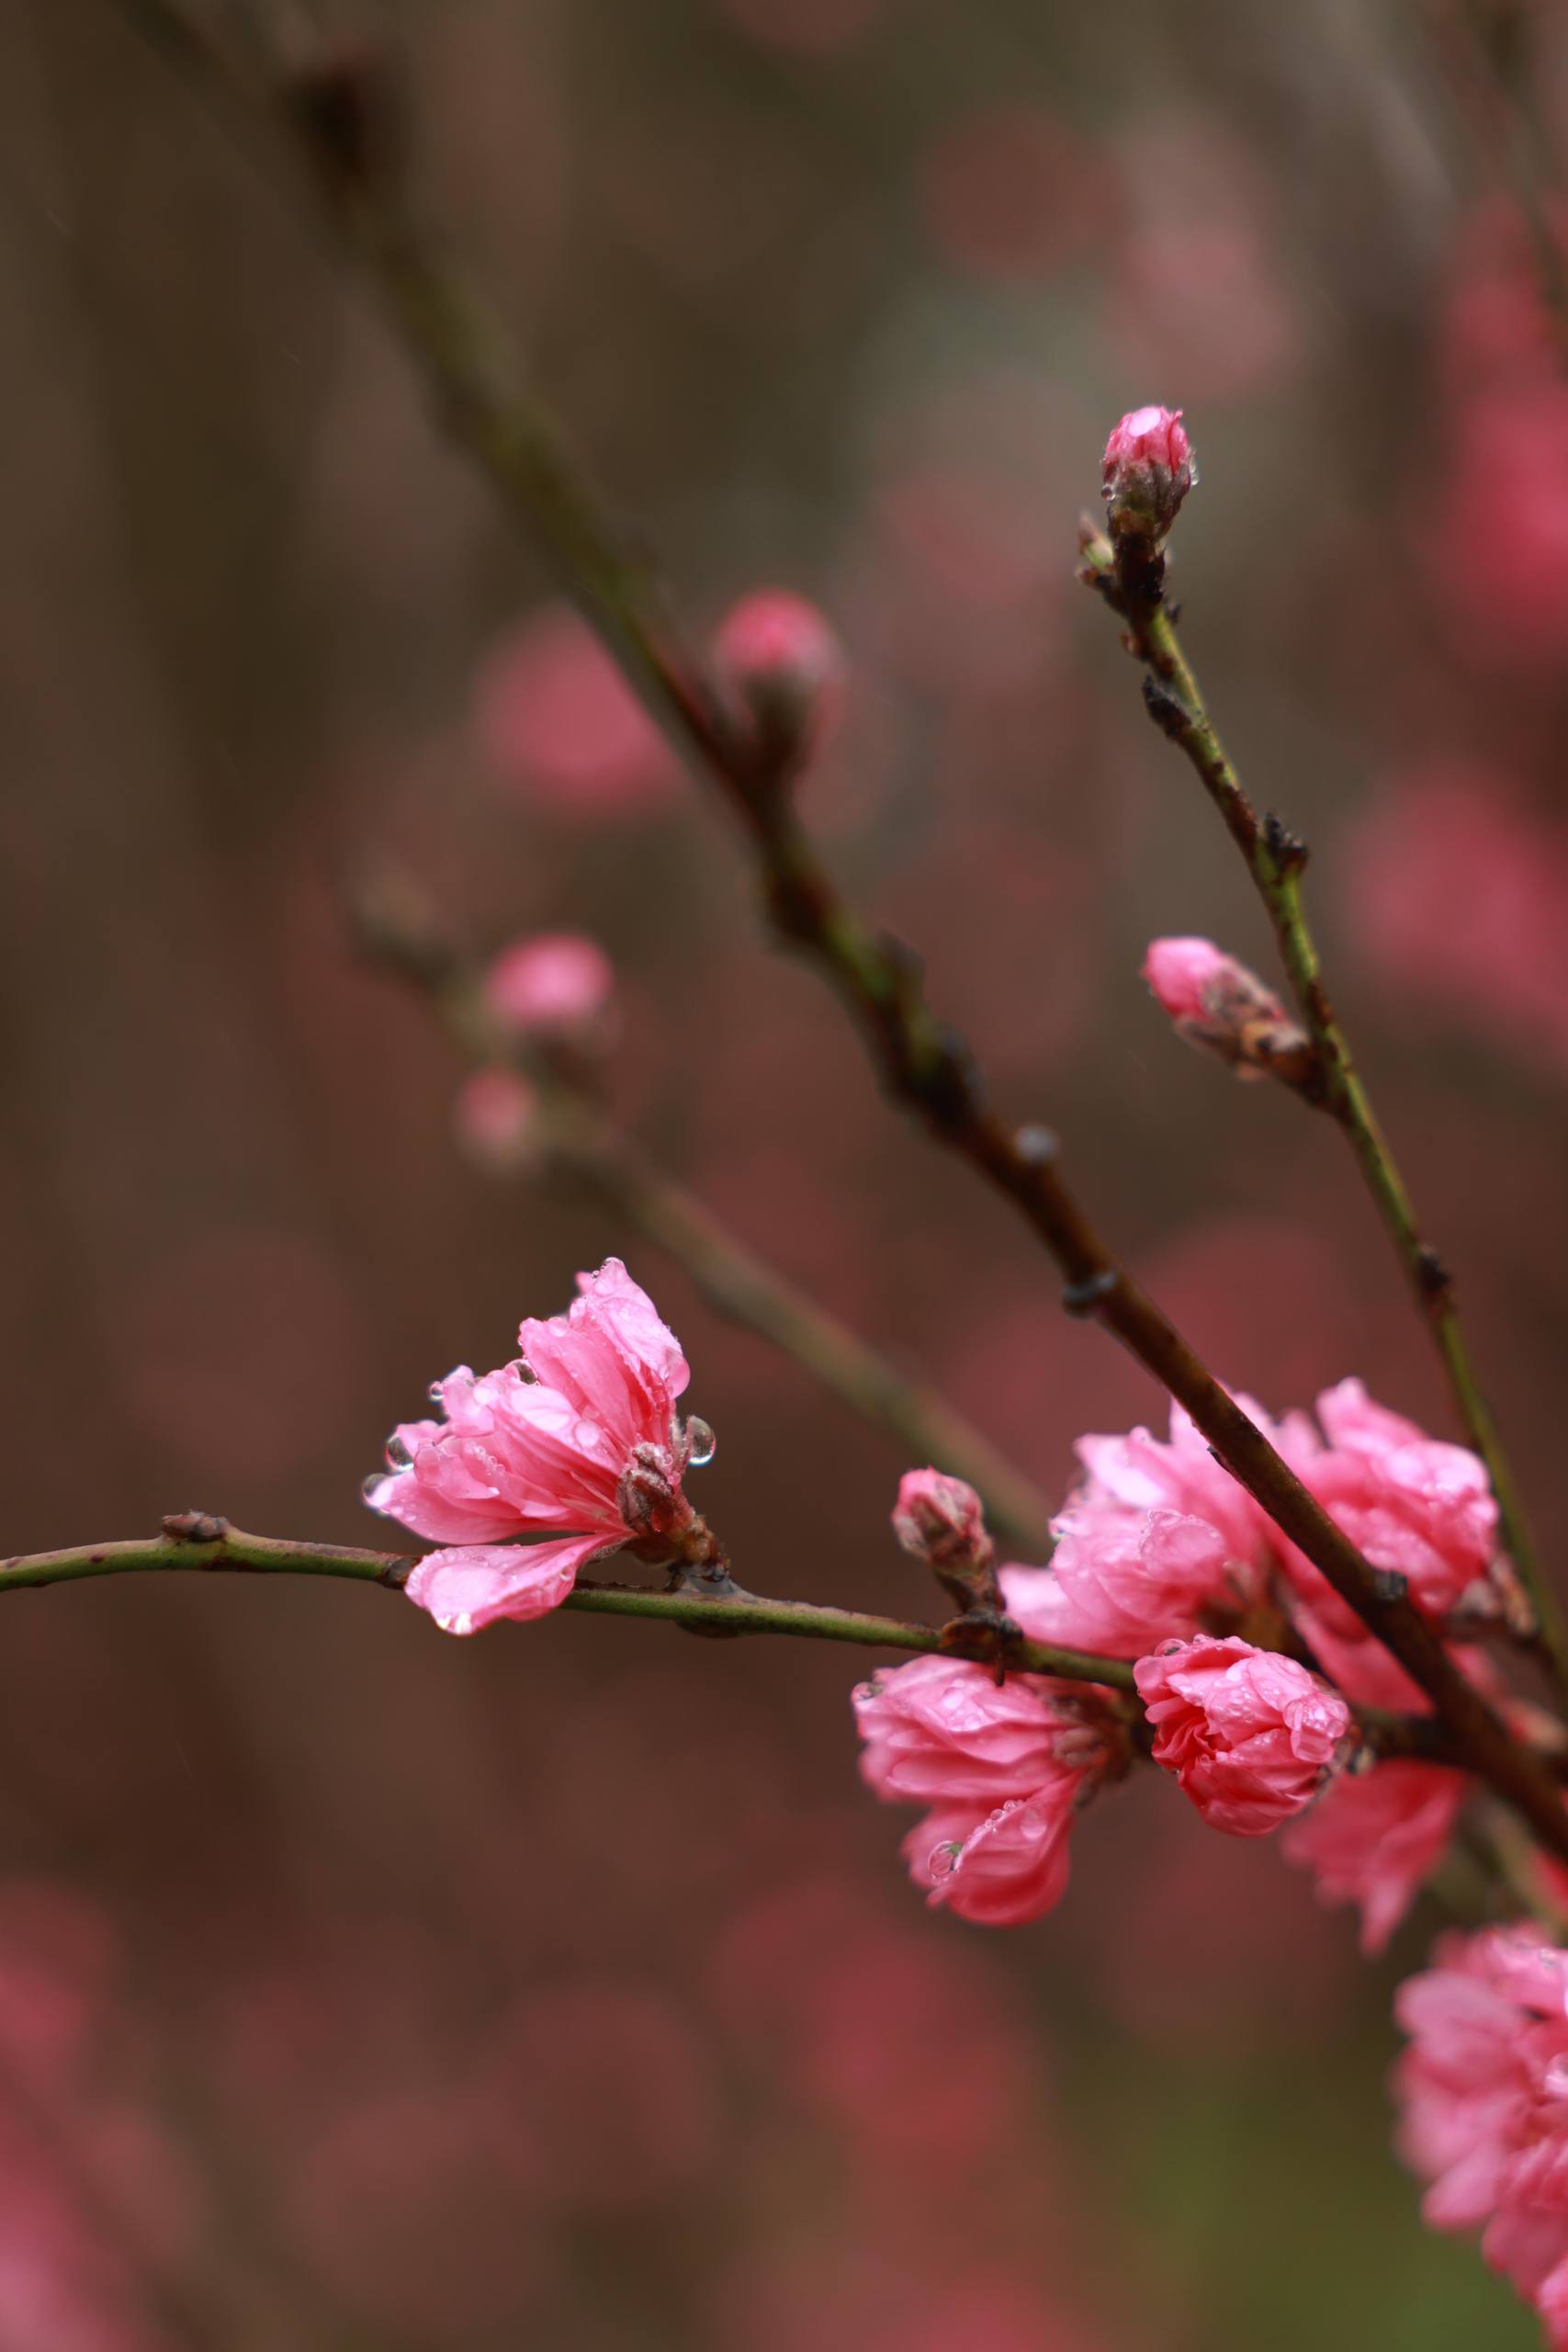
(1004, 1768)
(493, 1116)
(558, 984)
(1117, 1584)
(1219, 1005)
(1373, 1839)
(555, 720)
(579, 1440)
(1148, 470)
(1250, 1735)
(784, 664)
(1482, 2093)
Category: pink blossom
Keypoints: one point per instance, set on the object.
(1409, 1503)
(494, 1115)
(1117, 1583)
(557, 985)
(1374, 1838)
(782, 662)
(1149, 469)
(1217, 1003)
(555, 720)
(1250, 1735)
(579, 1440)
(1001, 1868)
(1483, 2090)
(1003, 1769)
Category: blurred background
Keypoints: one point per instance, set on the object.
(363, 1988)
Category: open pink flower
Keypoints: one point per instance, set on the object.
(579, 1440)
(1374, 1838)
(1120, 1582)
(1003, 1769)
(1483, 2090)
(1250, 1735)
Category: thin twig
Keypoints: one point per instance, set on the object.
(479, 392)
(572, 1136)
(202, 1542)
(1275, 859)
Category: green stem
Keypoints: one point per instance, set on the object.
(1275, 859)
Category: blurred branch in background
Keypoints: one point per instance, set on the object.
(343, 112)
(567, 1135)
(1485, 51)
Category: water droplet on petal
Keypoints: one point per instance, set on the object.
(398, 1455)
(701, 1442)
(370, 1487)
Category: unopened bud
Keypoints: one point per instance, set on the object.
(495, 1116)
(943, 1521)
(1217, 1003)
(781, 661)
(1149, 469)
(557, 991)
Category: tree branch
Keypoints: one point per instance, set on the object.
(338, 111)
(1275, 859)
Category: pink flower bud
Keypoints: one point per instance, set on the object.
(1149, 469)
(940, 1520)
(557, 987)
(779, 657)
(1249, 1735)
(494, 1117)
(1219, 1005)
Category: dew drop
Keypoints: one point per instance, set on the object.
(398, 1455)
(701, 1442)
(370, 1486)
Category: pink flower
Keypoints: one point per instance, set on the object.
(1483, 2089)
(1120, 1582)
(1374, 1838)
(1217, 1003)
(556, 721)
(1408, 1502)
(782, 660)
(555, 985)
(1149, 469)
(1003, 1769)
(579, 1440)
(1250, 1735)
(494, 1115)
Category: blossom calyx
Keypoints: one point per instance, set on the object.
(1221, 1005)
(1149, 469)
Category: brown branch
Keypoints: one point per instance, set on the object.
(340, 116)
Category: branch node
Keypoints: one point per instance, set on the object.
(1286, 849)
(1167, 710)
(1433, 1277)
(1390, 1586)
(194, 1527)
(1084, 1297)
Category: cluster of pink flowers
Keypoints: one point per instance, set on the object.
(1483, 2090)
(1163, 1560)
(578, 1441)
